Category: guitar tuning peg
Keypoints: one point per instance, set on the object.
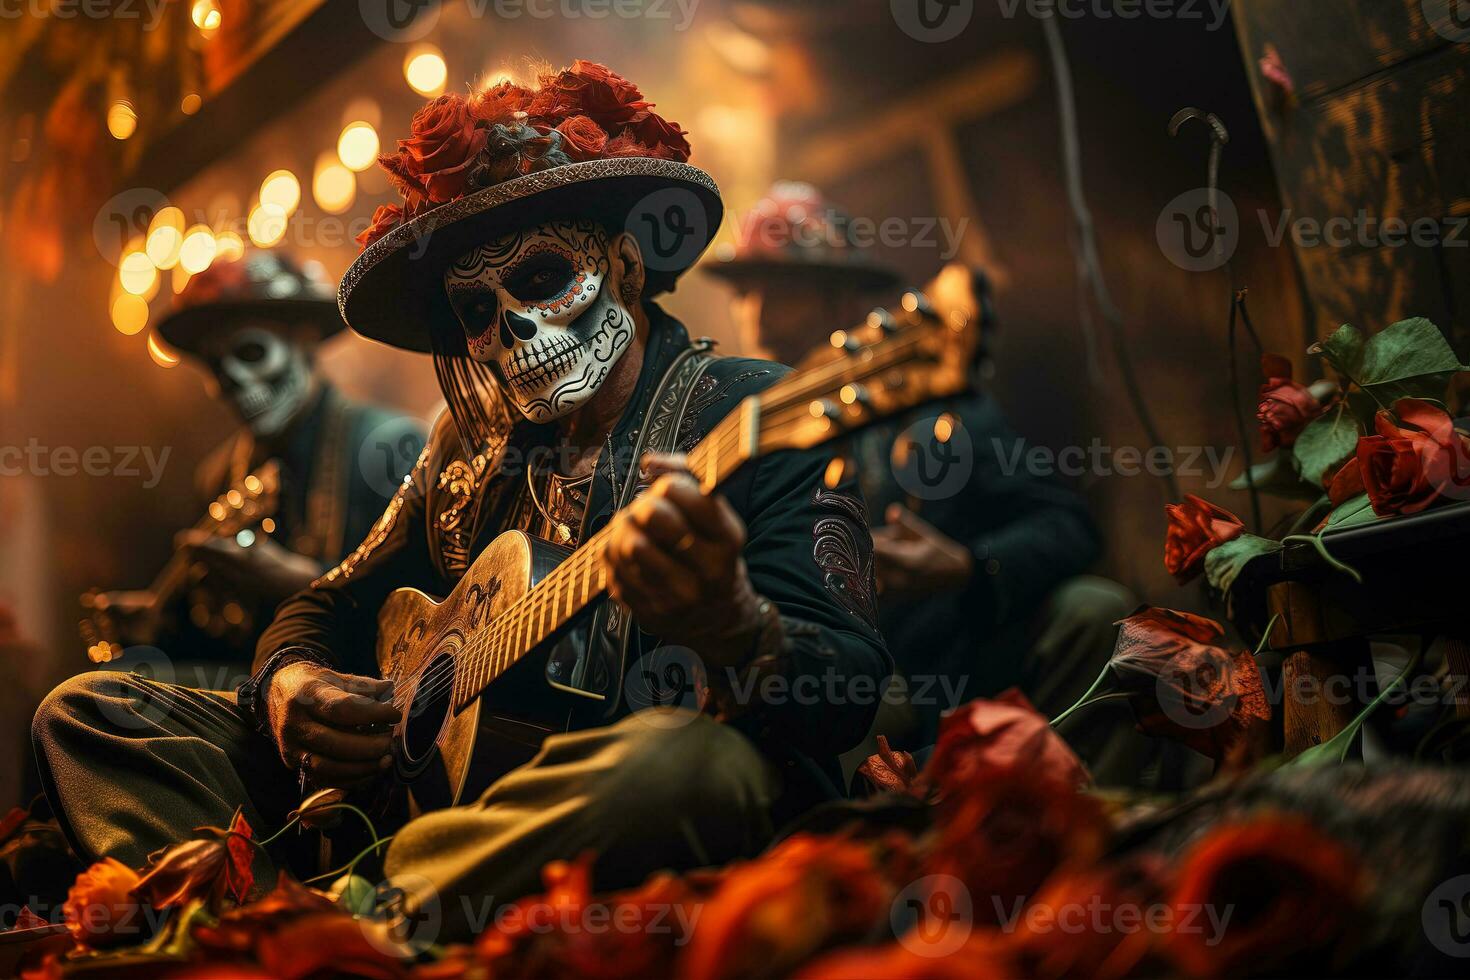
(881, 319)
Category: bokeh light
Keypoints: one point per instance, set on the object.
(122, 120)
(228, 247)
(137, 273)
(129, 313)
(198, 250)
(161, 355)
(282, 189)
(333, 186)
(165, 235)
(425, 70)
(206, 15)
(267, 224)
(358, 145)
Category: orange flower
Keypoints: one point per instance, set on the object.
(1005, 834)
(1059, 935)
(1183, 686)
(100, 909)
(982, 957)
(770, 914)
(1293, 896)
(446, 138)
(1407, 467)
(1195, 528)
(385, 219)
(1003, 734)
(582, 139)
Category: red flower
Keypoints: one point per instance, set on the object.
(664, 139)
(1286, 405)
(1293, 893)
(1002, 735)
(1183, 686)
(239, 930)
(1004, 835)
(329, 944)
(447, 137)
(206, 868)
(582, 139)
(1061, 933)
(589, 89)
(503, 105)
(1196, 527)
(770, 914)
(1345, 482)
(891, 770)
(385, 219)
(100, 909)
(1408, 467)
(981, 957)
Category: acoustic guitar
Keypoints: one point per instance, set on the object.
(470, 669)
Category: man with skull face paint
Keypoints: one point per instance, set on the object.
(254, 322)
(536, 227)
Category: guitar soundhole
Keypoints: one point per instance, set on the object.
(432, 700)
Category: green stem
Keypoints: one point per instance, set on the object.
(350, 865)
(1334, 750)
(1082, 700)
(325, 809)
(1266, 636)
(1116, 696)
(1315, 540)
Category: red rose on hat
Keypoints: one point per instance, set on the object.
(385, 219)
(501, 104)
(581, 138)
(446, 139)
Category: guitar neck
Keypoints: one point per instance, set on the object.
(579, 580)
(793, 413)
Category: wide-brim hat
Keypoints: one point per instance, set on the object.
(394, 291)
(261, 286)
(795, 234)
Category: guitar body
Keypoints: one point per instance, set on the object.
(445, 756)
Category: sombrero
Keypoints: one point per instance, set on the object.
(793, 232)
(257, 284)
(584, 144)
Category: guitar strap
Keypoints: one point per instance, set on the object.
(611, 629)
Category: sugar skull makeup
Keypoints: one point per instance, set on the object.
(267, 377)
(536, 303)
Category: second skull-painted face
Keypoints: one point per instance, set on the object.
(540, 305)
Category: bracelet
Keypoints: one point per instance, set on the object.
(250, 696)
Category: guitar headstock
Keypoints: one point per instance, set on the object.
(896, 361)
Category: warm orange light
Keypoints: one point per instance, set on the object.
(282, 189)
(425, 70)
(137, 274)
(122, 119)
(334, 186)
(206, 15)
(129, 313)
(228, 247)
(165, 235)
(160, 354)
(198, 250)
(266, 224)
(191, 103)
(358, 145)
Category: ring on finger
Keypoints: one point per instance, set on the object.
(685, 543)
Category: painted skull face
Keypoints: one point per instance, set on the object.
(267, 377)
(538, 304)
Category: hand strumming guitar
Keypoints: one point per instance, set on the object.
(674, 559)
(914, 558)
(335, 726)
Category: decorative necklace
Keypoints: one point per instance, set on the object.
(561, 529)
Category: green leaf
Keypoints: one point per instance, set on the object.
(1353, 511)
(357, 895)
(1411, 359)
(1327, 440)
(1223, 564)
(1333, 751)
(1343, 350)
(1278, 475)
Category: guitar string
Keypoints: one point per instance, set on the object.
(536, 601)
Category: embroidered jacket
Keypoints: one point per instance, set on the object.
(808, 551)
